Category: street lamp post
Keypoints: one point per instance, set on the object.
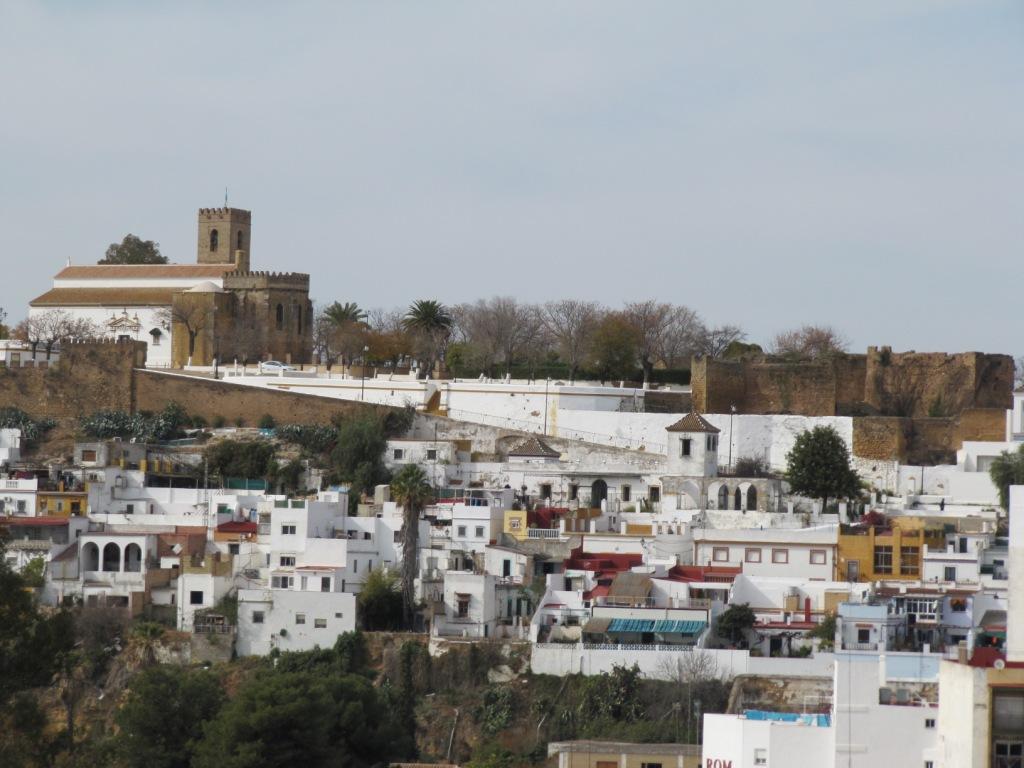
(732, 412)
(547, 381)
(362, 375)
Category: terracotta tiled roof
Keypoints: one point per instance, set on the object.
(693, 422)
(105, 297)
(237, 526)
(534, 446)
(123, 271)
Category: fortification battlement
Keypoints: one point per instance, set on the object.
(255, 280)
(239, 213)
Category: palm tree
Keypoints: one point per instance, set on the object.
(411, 492)
(1007, 469)
(342, 314)
(431, 321)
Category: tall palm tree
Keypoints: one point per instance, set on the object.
(432, 322)
(341, 314)
(411, 492)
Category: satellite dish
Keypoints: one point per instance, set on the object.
(999, 664)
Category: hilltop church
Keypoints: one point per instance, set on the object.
(193, 313)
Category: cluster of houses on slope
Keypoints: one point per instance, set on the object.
(529, 543)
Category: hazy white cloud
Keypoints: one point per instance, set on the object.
(766, 163)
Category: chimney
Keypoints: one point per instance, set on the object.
(1015, 602)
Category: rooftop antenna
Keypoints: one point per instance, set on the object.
(225, 197)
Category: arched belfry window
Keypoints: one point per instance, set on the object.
(238, 246)
(280, 316)
(214, 239)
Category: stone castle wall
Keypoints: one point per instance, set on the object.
(881, 383)
(85, 378)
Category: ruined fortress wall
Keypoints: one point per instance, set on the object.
(776, 388)
(906, 384)
(209, 398)
(936, 384)
(716, 384)
(87, 377)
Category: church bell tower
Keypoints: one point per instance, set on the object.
(224, 237)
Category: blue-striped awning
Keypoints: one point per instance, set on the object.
(660, 626)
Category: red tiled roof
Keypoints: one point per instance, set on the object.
(104, 297)
(692, 422)
(34, 521)
(237, 526)
(123, 271)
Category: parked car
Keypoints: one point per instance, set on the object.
(273, 366)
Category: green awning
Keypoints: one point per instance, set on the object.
(660, 626)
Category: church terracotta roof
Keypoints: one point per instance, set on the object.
(122, 271)
(105, 297)
(693, 422)
(534, 446)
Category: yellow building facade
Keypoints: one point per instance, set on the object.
(893, 553)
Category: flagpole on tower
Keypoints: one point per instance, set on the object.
(225, 197)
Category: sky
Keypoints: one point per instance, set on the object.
(857, 164)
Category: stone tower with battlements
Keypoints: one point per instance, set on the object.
(224, 237)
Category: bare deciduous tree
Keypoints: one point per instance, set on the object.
(809, 342)
(665, 333)
(195, 317)
(715, 341)
(571, 324)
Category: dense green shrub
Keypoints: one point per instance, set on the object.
(31, 429)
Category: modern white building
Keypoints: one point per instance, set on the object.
(807, 553)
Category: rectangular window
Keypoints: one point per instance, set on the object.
(257, 617)
(195, 597)
(463, 606)
(760, 756)
(88, 455)
(625, 492)
(780, 556)
(462, 531)
(287, 560)
(929, 723)
(752, 555)
(281, 582)
(398, 536)
(883, 559)
(287, 530)
(818, 556)
(720, 554)
(129, 509)
(684, 447)
(479, 531)
(300, 618)
(399, 454)
(909, 561)
(650, 765)
(319, 623)
(949, 573)
(431, 454)
(654, 493)
(863, 636)
(233, 549)
(325, 583)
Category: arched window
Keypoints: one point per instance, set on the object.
(723, 497)
(280, 316)
(238, 241)
(156, 334)
(133, 558)
(751, 497)
(90, 557)
(111, 557)
(214, 239)
(738, 497)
